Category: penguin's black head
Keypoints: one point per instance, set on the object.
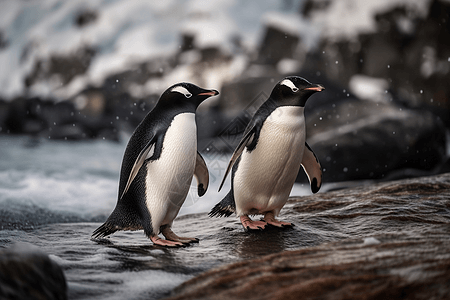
(294, 90)
(186, 95)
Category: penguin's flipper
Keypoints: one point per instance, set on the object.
(143, 155)
(201, 174)
(312, 168)
(226, 207)
(247, 139)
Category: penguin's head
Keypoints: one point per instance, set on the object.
(186, 95)
(294, 90)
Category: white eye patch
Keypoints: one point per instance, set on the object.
(289, 84)
(182, 90)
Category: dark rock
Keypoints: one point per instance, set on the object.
(311, 6)
(383, 241)
(270, 51)
(3, 41)
(356, 139)
(85, 17)
(408, 50)
(28, 273)
(4, 111)
(59, 120)
(246, 94)
(62, 68)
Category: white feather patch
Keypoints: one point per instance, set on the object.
(168, 179)
(289, 84)
(266, 175)
(182, 90)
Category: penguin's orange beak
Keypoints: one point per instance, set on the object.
(317, 88)
(210, 93)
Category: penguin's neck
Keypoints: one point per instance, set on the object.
(177, 107)
(290, 116)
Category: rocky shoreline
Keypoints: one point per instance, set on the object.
(395, 245)
(387, 239)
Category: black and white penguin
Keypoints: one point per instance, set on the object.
(157, 168)
(269, 155)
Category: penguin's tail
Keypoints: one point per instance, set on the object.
(224, 208)
(104, 230)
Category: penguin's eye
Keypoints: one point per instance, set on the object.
(295, 89)
(182, 90)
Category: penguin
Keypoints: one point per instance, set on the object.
(268, 158)
(158, 165)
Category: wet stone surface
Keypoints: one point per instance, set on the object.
(389, 239)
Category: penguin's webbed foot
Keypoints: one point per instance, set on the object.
(166, 243)
(171, 236)
(270, 219)
(249, 224)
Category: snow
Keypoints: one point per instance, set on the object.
(344, 19)
(126, 33)
(123, 34)
(369, 88)
(293, 24)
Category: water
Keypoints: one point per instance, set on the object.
(54, 194)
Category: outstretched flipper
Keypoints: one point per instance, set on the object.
(201, 174)
(143, 155)
(312, 168)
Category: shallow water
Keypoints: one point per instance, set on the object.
(54, 194)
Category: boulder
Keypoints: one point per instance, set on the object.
(356, 139)
(407, 45)
(28, 273)
(382, 241)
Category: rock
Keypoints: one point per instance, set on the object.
(408, 46)
(28, 273)
(270, 51)
(383, 241)
(86, 17)
(60, 69)
(356, 139)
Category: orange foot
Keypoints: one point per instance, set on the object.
(249, 224)
(270, 219)
(171, 236)
(166, 243)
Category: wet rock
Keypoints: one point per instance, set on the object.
(28, 273)
(357, 139)
(388, 240)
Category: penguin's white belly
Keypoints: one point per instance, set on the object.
(168, 178)
(265, 176)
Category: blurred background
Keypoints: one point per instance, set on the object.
(76, 77)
